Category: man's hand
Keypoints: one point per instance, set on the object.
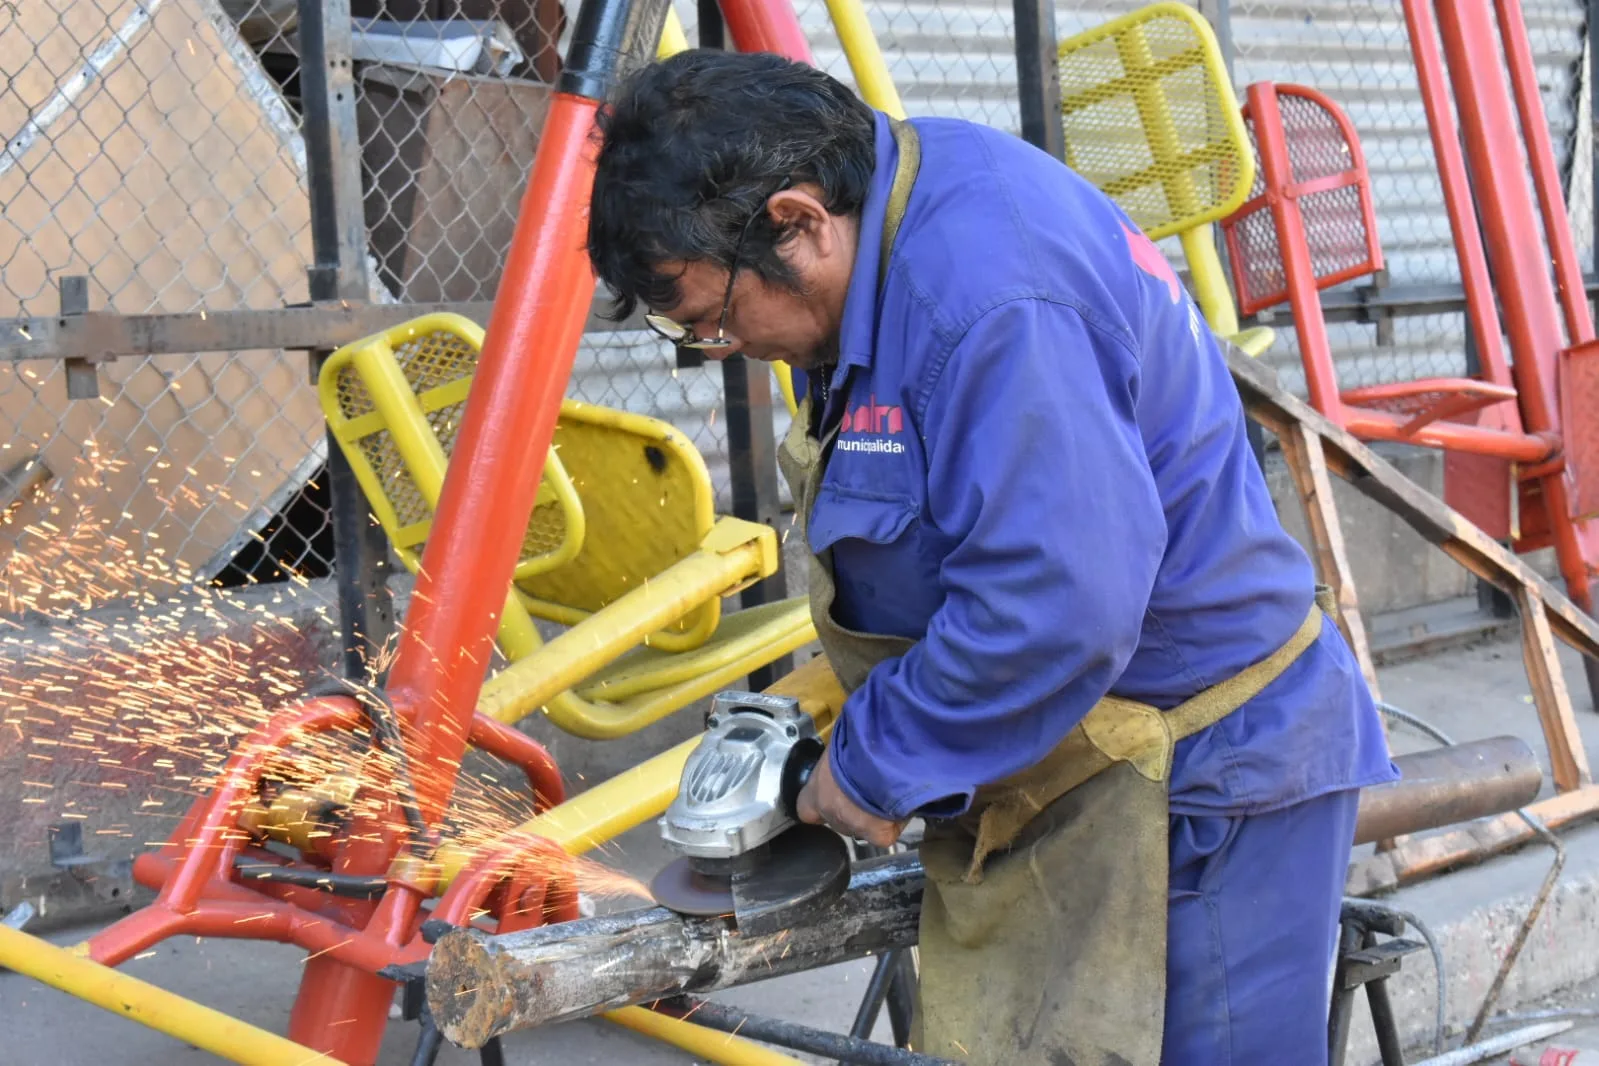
(822, 802)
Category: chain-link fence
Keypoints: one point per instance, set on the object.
(149, 152)
(155, 148)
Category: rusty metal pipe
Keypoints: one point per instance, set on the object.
(1443, 786)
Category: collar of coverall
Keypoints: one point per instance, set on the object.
(859, 322)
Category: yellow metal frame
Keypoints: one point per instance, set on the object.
(647, 635)
(1192, 221)
(404, 414)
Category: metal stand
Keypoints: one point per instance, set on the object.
(1362, 960)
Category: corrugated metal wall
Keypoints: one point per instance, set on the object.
(956, 59)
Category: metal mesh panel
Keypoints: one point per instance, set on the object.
(1144, 122)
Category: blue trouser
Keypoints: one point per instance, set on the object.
(1253, 923)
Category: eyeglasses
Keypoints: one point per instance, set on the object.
(684, 337)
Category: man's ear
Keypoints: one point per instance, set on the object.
(801, 213)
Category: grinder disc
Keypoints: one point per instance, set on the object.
(783, 884)
(680, 887)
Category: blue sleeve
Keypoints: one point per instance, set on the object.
(1038, 478)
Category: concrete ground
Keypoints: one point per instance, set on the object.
(1472, 691)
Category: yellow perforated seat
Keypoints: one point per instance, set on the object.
(626, 503)
(1151, 119)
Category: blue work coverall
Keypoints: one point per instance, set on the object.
(1043, 479)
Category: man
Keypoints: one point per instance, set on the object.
(1041, 544)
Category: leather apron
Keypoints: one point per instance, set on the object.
(1043, 927)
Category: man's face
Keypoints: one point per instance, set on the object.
(773, 323)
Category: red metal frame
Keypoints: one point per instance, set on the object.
(529, 346)
(1521, 263)
(1533, 412)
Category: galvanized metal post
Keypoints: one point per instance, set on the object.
(1038, 76)
(338, 272)
(751, 436)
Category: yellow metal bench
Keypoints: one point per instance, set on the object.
(623, 545)
(1151, 119)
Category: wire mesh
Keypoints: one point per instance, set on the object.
(154, 146)
(148, 149)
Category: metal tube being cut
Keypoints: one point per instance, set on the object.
(480, 986)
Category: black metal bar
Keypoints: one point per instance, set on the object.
(752, 467)
(872, 1000)
(902, 998)
(1343, 997)
(338, 272)
(792, 1035)
(1038, 76)
(712, 33)
(1382, 1020)
(609, 39)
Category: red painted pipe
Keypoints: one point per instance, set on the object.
(766, 26)
(506, 431)
(1277, 178)
(1532, 314)
(212, 844)
(1545, 171)
(522, 751)
(1480, 307)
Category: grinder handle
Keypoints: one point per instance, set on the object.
(797, 769)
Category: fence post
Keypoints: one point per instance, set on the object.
(1038, 76)
(339, 272)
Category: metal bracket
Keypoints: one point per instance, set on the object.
(83, 380)
(110, 880)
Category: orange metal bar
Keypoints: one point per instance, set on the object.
(766, 26)
(1545, 171)
(506, 431)
(1278, 178)
(521, 750)
(1451, 436)
(1480, 308)
(212, 844)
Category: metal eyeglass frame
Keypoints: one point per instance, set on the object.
(684, 337)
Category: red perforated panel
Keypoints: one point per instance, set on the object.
(1333, 189)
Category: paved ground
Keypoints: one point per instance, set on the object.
(1470, 692)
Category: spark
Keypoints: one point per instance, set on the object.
(151, 701)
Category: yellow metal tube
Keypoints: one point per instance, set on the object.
(531, 682)
(1210, 282)
(673, 39)
(711, 1045)
(166, 1012)
(865, 58)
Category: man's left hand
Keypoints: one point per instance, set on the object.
(822, 802)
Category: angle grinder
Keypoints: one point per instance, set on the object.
(743, 850)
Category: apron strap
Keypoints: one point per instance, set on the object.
(1221, 699)
(899, 195)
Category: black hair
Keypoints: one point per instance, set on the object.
(694, 145)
